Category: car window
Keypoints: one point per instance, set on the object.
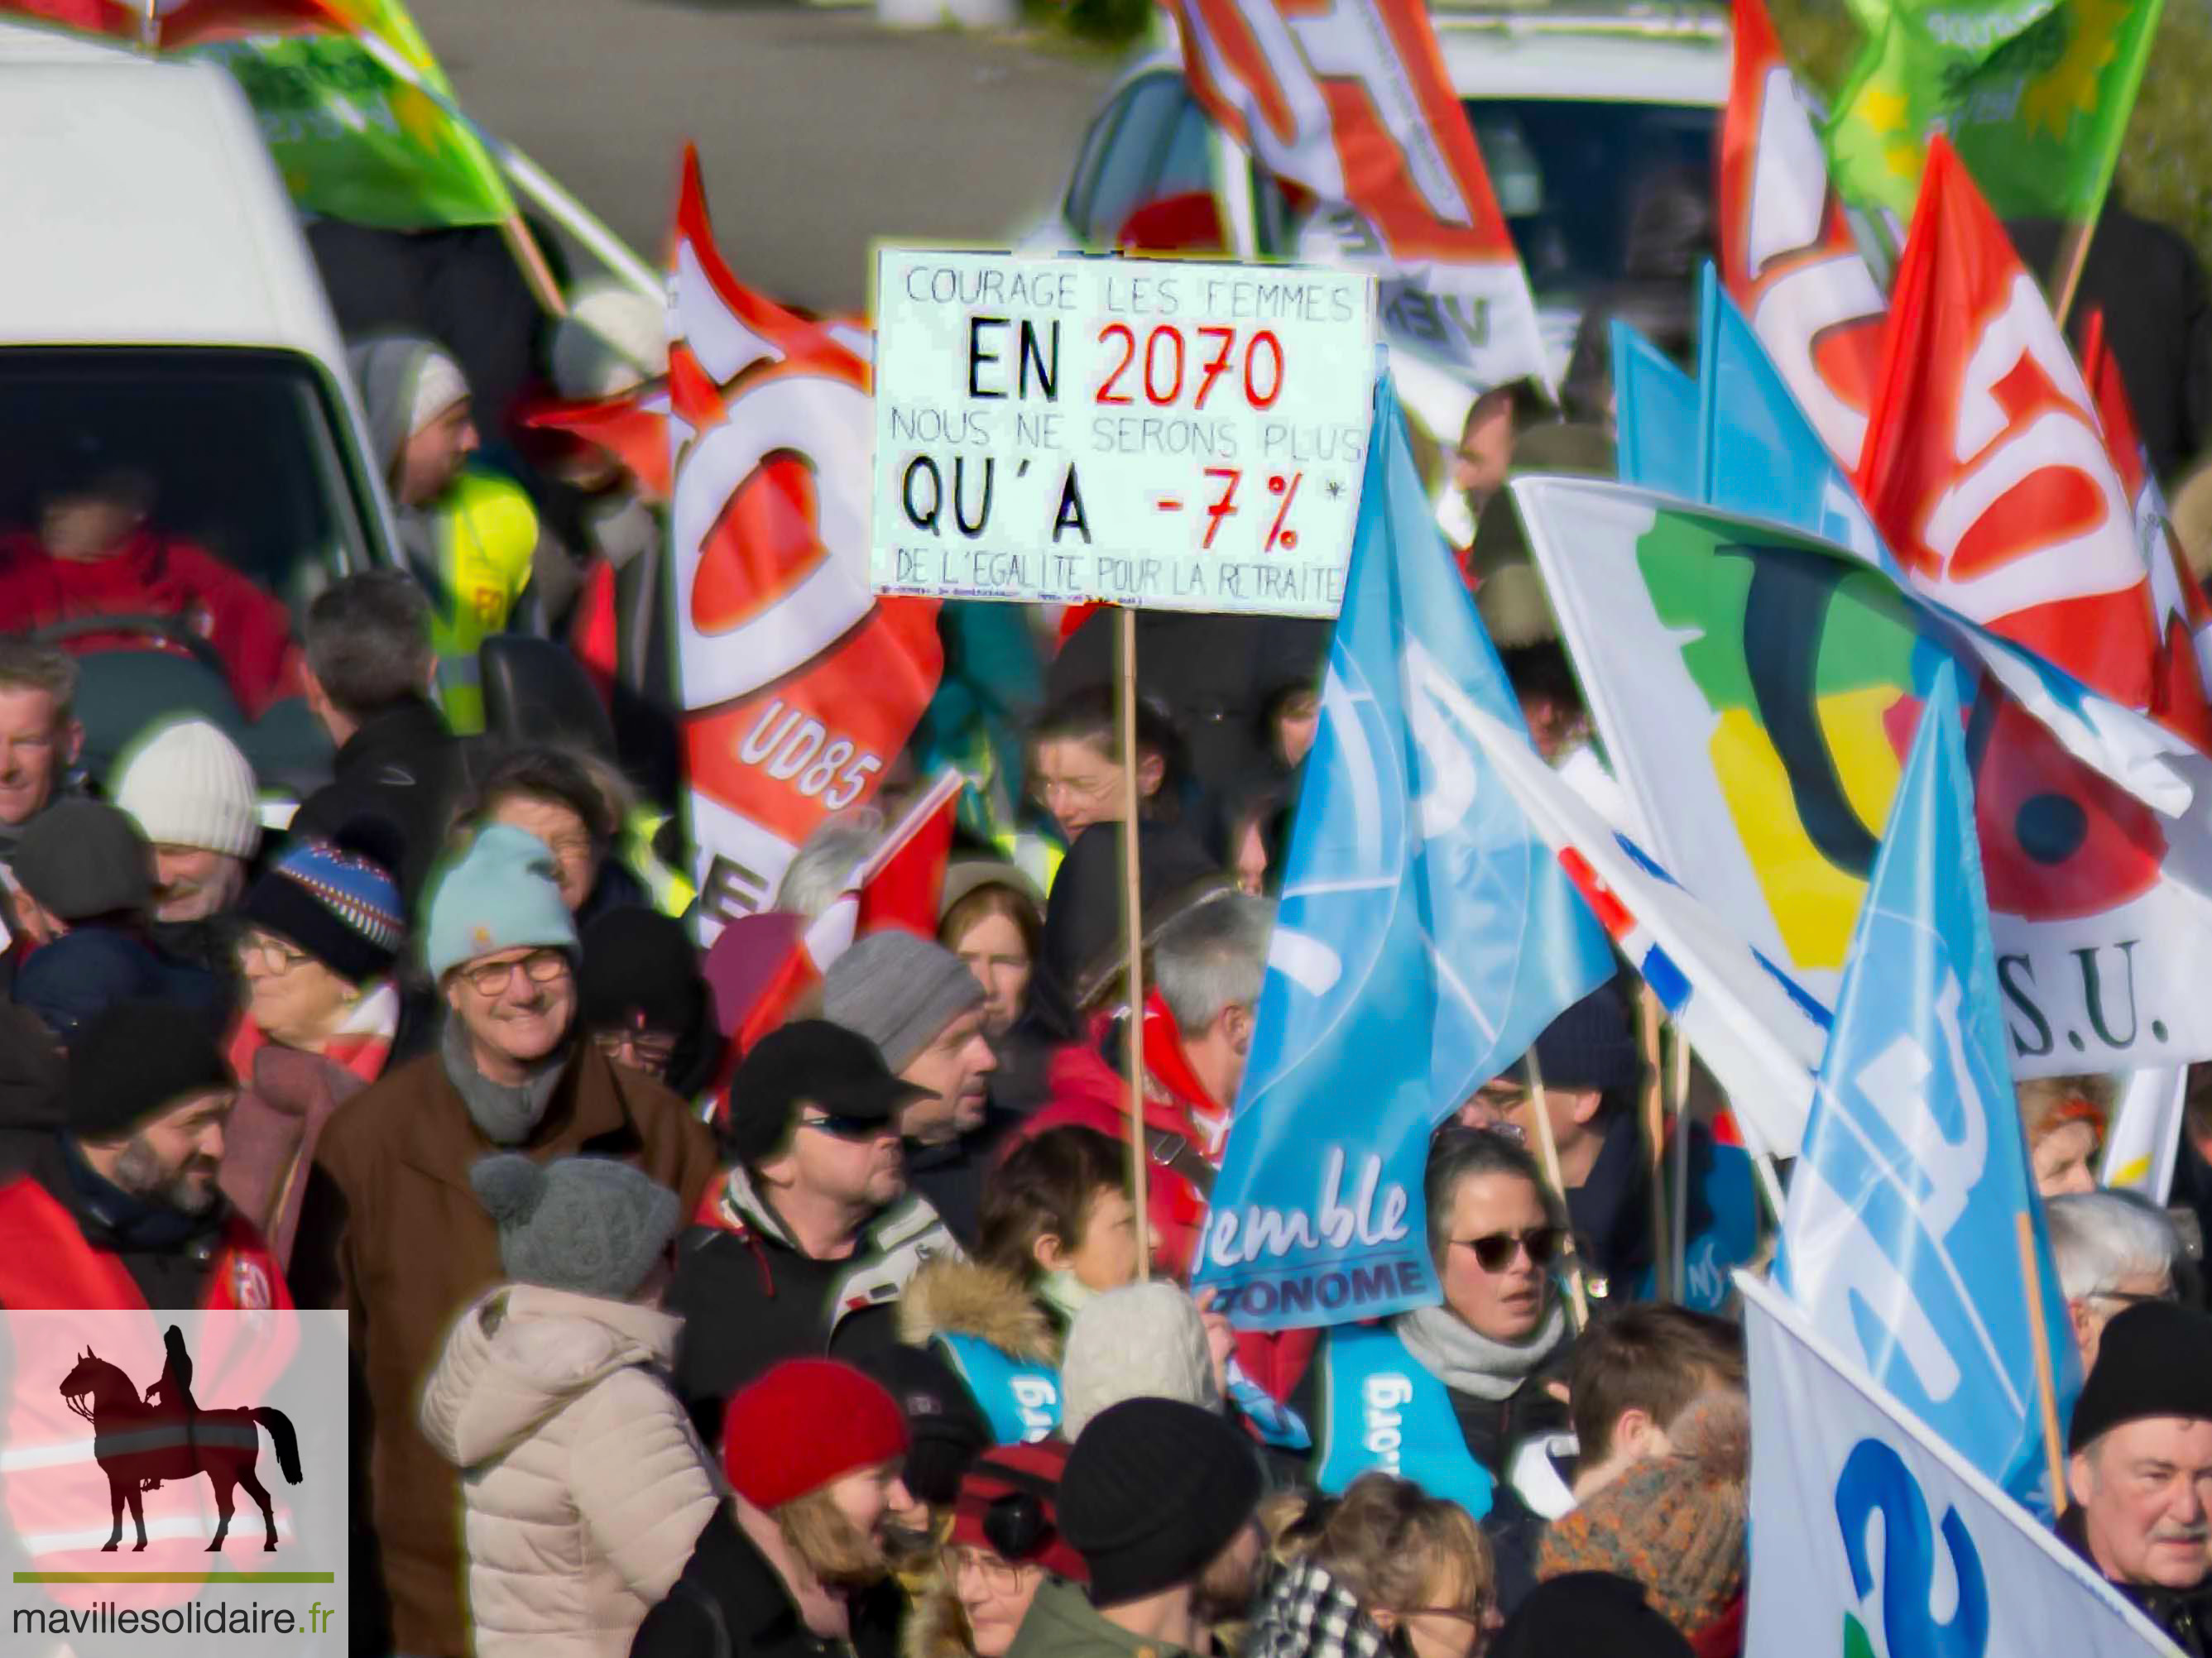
(1129, 162)
(1588, 187)
(239, 449)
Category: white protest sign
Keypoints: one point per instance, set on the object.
(1178, 435)
(1870, 1538)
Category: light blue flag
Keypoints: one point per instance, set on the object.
(1902, 1237)
(1757, 453)
(1656, 416)
(1425, 937)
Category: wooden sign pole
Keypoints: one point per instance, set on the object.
(1547, 1147)
(1133, 920)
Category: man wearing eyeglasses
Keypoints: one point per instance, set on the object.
(390, 1227)
(812, 1237)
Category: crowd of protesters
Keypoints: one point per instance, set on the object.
(856, 1338)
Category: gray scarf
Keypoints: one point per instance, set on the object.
(506, 1115)
(1466, 1362)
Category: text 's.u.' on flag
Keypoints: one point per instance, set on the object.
(1787, 251)
(1351, 102)
(1874, 1535)
(798, 684)
(1425, 936)
(1913, 1195)
(1757, 690)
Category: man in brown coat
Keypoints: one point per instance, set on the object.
(392, 1231)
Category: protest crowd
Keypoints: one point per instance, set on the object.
(810, 1241)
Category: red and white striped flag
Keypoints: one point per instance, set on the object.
(1351, 102)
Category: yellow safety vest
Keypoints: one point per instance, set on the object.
(485, 532)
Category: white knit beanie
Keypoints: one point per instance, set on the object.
(1143, 1342)
(612, 339)
(188, 786)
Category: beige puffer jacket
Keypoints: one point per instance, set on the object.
(585, 1487)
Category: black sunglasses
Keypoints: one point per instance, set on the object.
(1494, 1251)
(849, 1128)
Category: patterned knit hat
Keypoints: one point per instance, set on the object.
(337, 900)
(1676, 1525)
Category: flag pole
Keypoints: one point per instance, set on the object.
(2073, 258)
(1133, 905)
(2046, 1391)
(1679, 1186)
(1547, 1146)
(1655, 1143)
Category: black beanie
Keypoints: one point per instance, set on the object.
(134, 1060)
(1600, 1613)
(1589, 1045)
(2153, 1359)
(944, 1429)
(1154, 1490)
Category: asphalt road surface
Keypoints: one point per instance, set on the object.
(819, 132)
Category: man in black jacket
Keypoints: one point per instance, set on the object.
(814, 1233)
(2140, 1448)
(369, 663)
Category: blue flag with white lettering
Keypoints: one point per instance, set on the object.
(1903, 1238)
(1655, 406)
(1425, 937)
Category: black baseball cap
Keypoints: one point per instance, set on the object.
(824, 1063)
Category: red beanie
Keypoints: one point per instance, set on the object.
(807, 1422)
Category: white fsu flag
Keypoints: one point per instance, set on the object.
(1350, 101)
(1873, 1538)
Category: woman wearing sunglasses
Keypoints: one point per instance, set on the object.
(1004, 1541)
(1444, 1396)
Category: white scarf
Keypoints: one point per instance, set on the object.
(1468, 1361)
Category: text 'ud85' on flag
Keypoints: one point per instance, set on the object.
(1425, 936)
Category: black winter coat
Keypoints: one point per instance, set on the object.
(729, 1603)
(404, 767)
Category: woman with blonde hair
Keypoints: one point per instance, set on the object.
(1385, 1568)
(2064, 1118)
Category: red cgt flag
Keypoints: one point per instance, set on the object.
(174, 24)
(1985, 466)
(1787, 253)
(799, 685)
(631, 426)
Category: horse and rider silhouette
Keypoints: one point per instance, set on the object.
(138, 1444)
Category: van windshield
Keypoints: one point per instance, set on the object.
(237, 451)
(1596, 191)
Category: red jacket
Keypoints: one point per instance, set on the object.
(1085, 1090)
(155, 575)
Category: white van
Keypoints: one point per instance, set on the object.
(158, 303)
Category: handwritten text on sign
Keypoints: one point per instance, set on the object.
(1188, 436)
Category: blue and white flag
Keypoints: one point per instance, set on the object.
(1760, 1032)
(1656, 413)
(1872, 1535)
(1425, 938)
(1902, 1236)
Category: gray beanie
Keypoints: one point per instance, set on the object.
(899, 991)
(589, 1224)
(1142, 1341)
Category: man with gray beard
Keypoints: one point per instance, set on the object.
(120, 1206)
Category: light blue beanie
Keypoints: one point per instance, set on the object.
(498, 895)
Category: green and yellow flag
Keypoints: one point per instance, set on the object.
(2034, 93)
(352, 139)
